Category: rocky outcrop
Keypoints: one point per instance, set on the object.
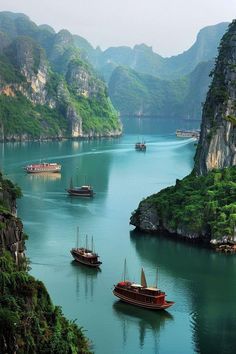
(147, 218)
(11, 228)
(217, 145)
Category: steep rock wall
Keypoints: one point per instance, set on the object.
(217, 145)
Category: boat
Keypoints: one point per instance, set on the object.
(82, 191)
(188, 133)
(85, 255)
(140, 146)
(43, 167)
(140, 294)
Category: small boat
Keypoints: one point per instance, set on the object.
(85, 255)
(43, 167)
(188, 133)
(140, 146)
(140, 294)
(82, 191)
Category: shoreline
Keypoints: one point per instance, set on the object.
(58, 139)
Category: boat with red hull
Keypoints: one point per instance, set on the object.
(141, 295)
(43, 167)
(85, 255)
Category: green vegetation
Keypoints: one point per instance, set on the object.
(231, 119)
(29, 323)
(201, 205)
(19, 116)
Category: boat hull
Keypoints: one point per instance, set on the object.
(142, 304)
(79, 194)
(43, 167)
(43, 171)
(84, 261)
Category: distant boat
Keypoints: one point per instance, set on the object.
(85, 255)
(140, 146)
(82, 191)
(140, 294)
(188, 133)
(43, 167)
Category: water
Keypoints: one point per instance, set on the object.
(201, 283)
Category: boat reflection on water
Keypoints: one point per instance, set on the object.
(147, 322)
(44, 176)
(85, 277)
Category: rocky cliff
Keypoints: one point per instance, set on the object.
(29, 322)
(46, 89)
(217, 146)
(203, 204)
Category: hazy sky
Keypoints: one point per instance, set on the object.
(169, 26)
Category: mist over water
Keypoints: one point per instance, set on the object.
(197, 280)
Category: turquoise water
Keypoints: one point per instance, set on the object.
(202, 284)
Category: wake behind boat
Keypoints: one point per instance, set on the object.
(141, 295)
(85, 255)
(43, 167)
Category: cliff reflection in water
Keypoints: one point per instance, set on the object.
(203, 280)
(144, 320)
(84, 278)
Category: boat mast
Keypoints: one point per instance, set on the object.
(86, 244)
(77, 238)
(156, 277)
(71, 183)
(125, 269)
(92, 243)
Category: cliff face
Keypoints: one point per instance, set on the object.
(217, 145)
(46, 89)
(11, 228)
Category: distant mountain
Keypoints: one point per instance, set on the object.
(47, 89)
(141, 58)
(139, 94)
(132, 92)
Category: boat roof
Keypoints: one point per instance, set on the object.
(152, 288)
(136, 285)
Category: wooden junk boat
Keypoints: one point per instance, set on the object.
(85, 255)
(82, 191)
(43, 167)
(141, 295)
(140, 146)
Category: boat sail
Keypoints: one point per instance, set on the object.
(85, 255)
(140, 294)
(143, 279)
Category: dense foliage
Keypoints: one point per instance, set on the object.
(204, 204)
(133, 93)
(29, 323)
(19, 116)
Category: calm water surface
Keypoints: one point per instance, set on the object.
(202, 284)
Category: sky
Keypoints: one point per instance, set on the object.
(168, 26)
